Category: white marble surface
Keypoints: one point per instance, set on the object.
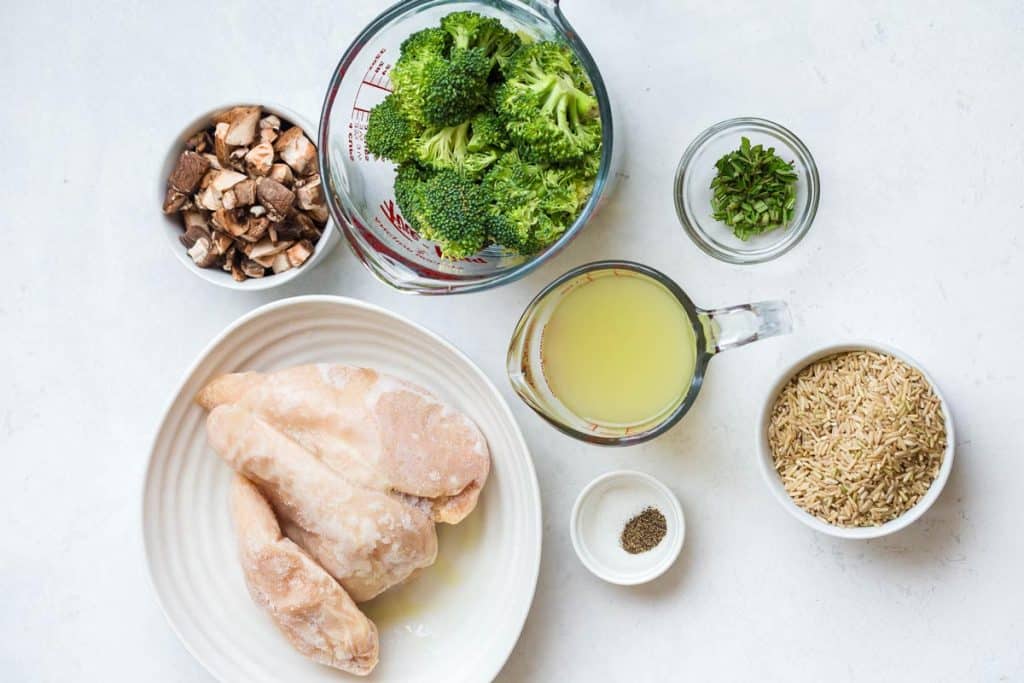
(913, 112)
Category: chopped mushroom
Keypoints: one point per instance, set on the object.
(251, 268)
(260, 159)
(202, 254)
(298, 253)
(220, 144)
(297, 151)
(245, 192)
(242, 122)
(249, 193)
(277, 198)
(256, 228)
(209, 199)
(174, 201)
(270, 127)
(187, 173)
(281, 263)
(282, 173)
(310, 193)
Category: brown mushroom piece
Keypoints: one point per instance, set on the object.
(251, 268)
(297, 151)
(202, 253)
(281, 263)
(245, 192)
(174, 201)
(260, 159)
(269, 128)
(188, 172)
(267, 247)
(309, 193)
(236, 271)
(277, 198)
(220, 144)
(242, 122)
(256, 228)
(228, 220)
(200, 142)
(223, 243)
(307, 229)
(299, 253)
(196, 227)
(282, 173)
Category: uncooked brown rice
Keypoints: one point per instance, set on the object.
(857, 438)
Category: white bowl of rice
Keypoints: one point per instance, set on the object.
(855, 440)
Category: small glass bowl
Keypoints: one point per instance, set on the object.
(692, 190)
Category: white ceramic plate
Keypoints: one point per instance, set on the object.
(458, 621)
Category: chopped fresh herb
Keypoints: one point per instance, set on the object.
(754, 191)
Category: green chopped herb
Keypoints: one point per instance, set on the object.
(754, 191)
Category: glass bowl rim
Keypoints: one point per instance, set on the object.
(698, 234)
(347, 219)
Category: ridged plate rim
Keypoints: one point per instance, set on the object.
(520, 458)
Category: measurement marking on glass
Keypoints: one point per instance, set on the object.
(373, 86)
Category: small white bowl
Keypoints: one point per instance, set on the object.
(173, 225)
(602, 510)
(767, 463)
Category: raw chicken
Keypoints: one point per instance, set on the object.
(366, 539)
(379, 432)
(315, 614)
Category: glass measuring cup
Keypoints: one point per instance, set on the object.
(714, 331)
(359, 187)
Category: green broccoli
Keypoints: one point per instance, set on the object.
(470, 30)
(518, 193)
(454, 88)
(497, 137)
(447, 208)
(533, 204)
(468, 148)
(390, 134)
(408, 178)
(548, 105)
(487, 133)
(418, 53)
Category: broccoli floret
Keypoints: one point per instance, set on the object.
(390, 134)
(467, 148)
(487, 133)
(471, 30)
(408, 178)
(418, 53)
(449, 209)
(568, 189)
(547, 104)
(454, 88)
(532, 204)
(519, 209)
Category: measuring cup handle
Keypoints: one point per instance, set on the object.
(727, 328)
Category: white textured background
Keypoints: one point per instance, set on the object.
(913, 112)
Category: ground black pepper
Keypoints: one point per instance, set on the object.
(644, 531)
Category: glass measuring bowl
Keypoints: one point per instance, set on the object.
(359, 187)
(714, 330)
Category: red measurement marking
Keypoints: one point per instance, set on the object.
(377, 85)
(468, 259)
(390, 211)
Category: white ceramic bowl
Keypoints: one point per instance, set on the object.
(455, 622)
(173, 225)
(601, 511)
(775, 483)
